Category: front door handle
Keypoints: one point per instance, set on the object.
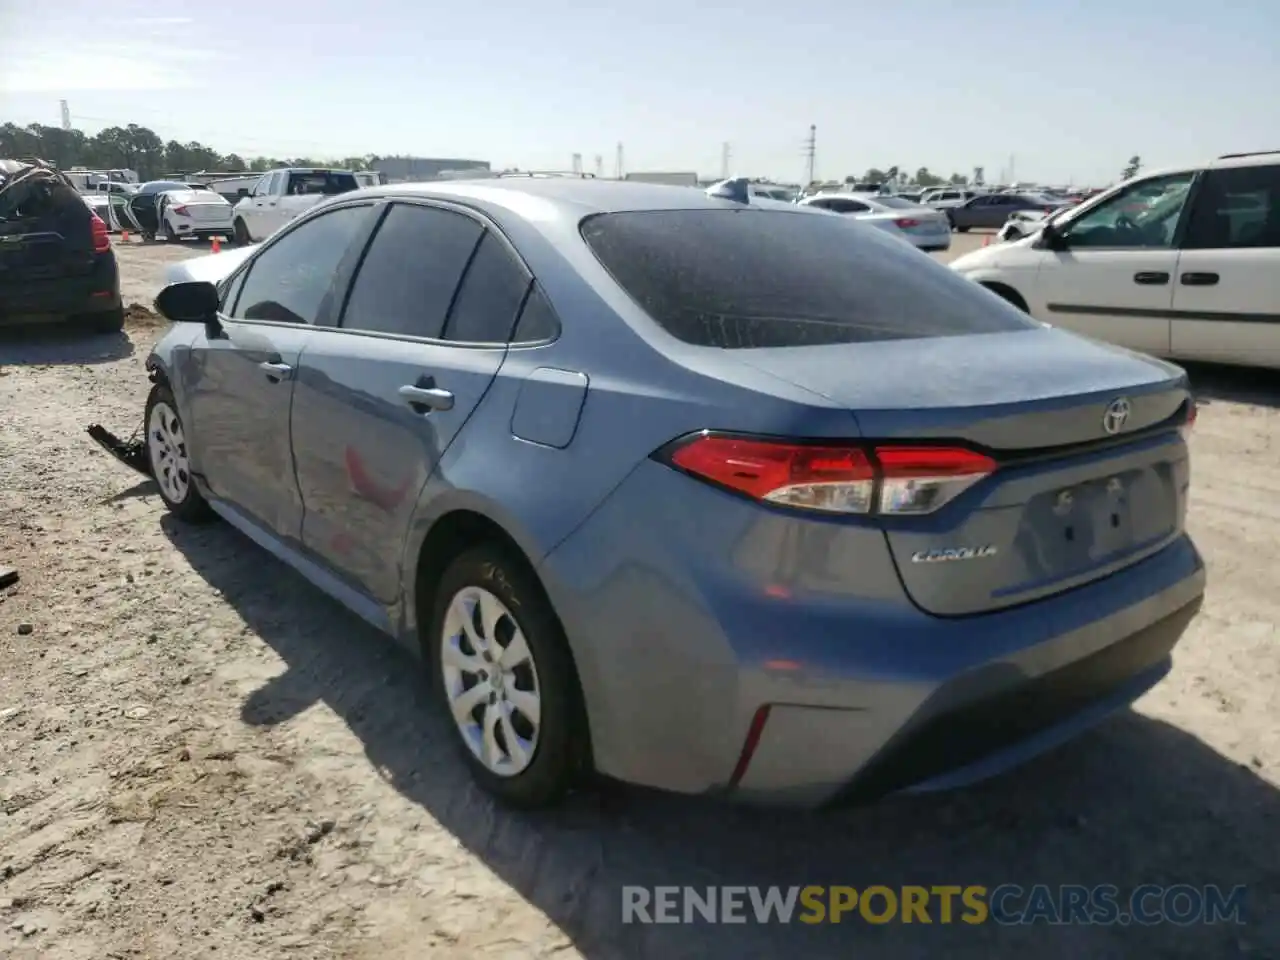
(1151, 278)
(276, 371)
(425, 399)
(1199, 279)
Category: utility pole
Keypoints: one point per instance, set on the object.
(725, 155)
(66, 115)
(599, 166)
(811, 151)
(617, 167)
(577, 163)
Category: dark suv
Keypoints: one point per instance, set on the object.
(56, 262)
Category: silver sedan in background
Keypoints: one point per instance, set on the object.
(923, 227)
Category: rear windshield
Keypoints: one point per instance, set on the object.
(325, 182)
(747, 278)
(896, 202)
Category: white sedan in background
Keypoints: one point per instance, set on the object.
(195, 213)
(923, 227)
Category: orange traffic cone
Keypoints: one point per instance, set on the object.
(987, 241)
(216, 246)
(124, 236)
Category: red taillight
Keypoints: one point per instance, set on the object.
(181, 210)
(1193, 411)
(831, 478)
(904, 222)
(98, 230)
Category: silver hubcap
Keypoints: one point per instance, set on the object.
(491, 681)
(168, 450)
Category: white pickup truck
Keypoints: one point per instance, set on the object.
(281, 195)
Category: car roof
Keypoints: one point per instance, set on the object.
(569, 196)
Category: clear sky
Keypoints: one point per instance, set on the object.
(1070, 89)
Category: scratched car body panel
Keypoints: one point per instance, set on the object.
(804, 503)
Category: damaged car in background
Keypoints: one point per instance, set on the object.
(56, 262)
(171, 210)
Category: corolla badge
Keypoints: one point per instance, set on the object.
(1116, 415)
(950, 554)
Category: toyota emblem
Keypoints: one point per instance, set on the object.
(1116, 415)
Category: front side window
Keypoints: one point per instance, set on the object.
(737, 279)
(287, 282)
(1236, 208)
(1144, 215)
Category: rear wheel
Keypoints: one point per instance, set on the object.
(241, 232)
(110, 322)
(506, 679)
(170, 461)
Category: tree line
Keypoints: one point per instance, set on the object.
(922, 177)
(135, 147)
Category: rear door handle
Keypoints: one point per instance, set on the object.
(1151, 278)
(425, 399)
(1199, 279)
(276, 371)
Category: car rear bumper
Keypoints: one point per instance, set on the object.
(56, 299)
(203, 228)
(861, 696)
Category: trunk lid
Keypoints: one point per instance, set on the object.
(1072, 499)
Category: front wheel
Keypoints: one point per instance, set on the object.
(168, 454)
(506, 679)
(241, 233)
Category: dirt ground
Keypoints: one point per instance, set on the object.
(203, 757)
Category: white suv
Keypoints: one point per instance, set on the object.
(1181, 263)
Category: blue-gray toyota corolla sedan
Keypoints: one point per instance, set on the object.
(681, 489)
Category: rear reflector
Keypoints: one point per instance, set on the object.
(1193, 411)
(754, 732)
(844, 478)
(98, 231)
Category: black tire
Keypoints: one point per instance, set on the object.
(110, 322)
(560, 754)
(962, 229)
(190, 506)
(1010, 295)
(240, 233)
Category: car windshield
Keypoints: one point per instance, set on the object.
(736, 279)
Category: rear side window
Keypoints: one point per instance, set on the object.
(537, 320)
(320, 182)
(1237, 208)
(762, 278)
(410, 272)
(490, 296)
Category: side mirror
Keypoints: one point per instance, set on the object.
(242, 192)
(1051, 238)
(194, 301)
